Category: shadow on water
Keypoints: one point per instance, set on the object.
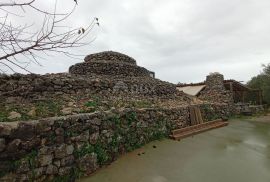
(237, 153)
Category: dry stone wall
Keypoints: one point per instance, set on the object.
(110, 56)
(108, 68)
(107, 73)
(64, 148)
(109, 63)
(215, 91)
(34, 86)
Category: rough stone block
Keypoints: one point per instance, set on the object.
(2, 144)
(45, 160)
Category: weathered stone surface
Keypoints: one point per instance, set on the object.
(51, 169)
(30, 144)
(64, 171)
(67, 110)
(57, 163)
(63, 151)
(32, 112)
(7, 128)
(23, 167)
(2, 144)
(69, 149)
(215, 90)
(25, 130)
(67, 161)
(84, 137)
(88, 163)
(44, 150)
(45, 160)
(94, 138)
(14, 146)
(14, 115)
(109, 63)
(60, 158)
(59, 131)
(110, 56)
(11, 177)
(38, 172)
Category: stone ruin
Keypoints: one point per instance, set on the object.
(215, 91)
(100, 73)
(59, 147)
(109, 63)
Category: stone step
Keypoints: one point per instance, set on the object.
(193, 130)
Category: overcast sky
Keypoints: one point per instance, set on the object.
(180, 40)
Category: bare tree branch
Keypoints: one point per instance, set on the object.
(18, 41)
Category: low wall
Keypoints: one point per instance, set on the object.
(79, 144)
(68, 147)
(241, 108)
(216, 111)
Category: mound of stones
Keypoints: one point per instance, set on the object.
(109, 63)
(106, 73)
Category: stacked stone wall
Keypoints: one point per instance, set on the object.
(215, 91)
(109, 63)
(108, 68)
(110, 56)
(33, 86)
(65, 148)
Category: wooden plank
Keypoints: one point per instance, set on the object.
(199, 115)
(192, 115)
(203, 128)
(181, 130)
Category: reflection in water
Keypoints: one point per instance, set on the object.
(239, 152)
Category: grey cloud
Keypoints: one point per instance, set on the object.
(182, 41)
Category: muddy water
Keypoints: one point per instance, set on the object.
(237, 153)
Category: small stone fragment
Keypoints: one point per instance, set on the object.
(45, 160)
(51, 169)
(14, 115)
(32, 112)
(67, 110)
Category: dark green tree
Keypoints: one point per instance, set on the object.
(262, 81)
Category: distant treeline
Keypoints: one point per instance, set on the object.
(262, 81)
